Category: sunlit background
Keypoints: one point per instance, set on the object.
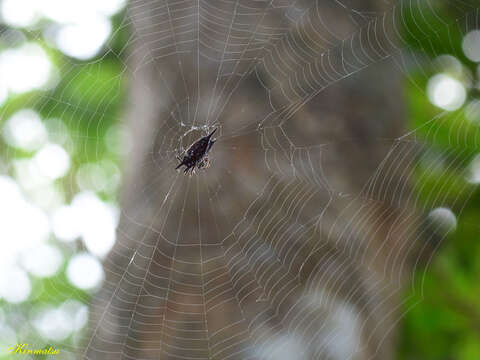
(60, 164)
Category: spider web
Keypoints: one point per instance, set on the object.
(275, 252)
(295, 274)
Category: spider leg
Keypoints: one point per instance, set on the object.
(179, 158)
(189, 169)
(206, 162)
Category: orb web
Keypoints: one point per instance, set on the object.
(275, 251)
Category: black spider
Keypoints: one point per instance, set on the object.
(196, 155)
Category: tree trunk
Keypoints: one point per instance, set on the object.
(294, 243)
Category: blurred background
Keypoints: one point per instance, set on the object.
(63, 142)
(60, 162)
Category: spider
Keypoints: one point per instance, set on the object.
(196, 155)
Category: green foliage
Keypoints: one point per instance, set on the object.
(442, 307)
(88, 99)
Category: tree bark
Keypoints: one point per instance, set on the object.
(294, 244)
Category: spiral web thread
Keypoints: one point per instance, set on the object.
(262, 257)
(167, 289)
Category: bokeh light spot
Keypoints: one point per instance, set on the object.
(52, 161)
(19, 13)
(64, 224)
(25, 130)
(83, 40)
(14, 284)
(85, 271)
(474, 170)
(471, 45)
(42, 261)
(443, 219)
(25, 68)
(446, 92)
(54, 324)
(98, 222)
(472, 111)
(23, 224)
